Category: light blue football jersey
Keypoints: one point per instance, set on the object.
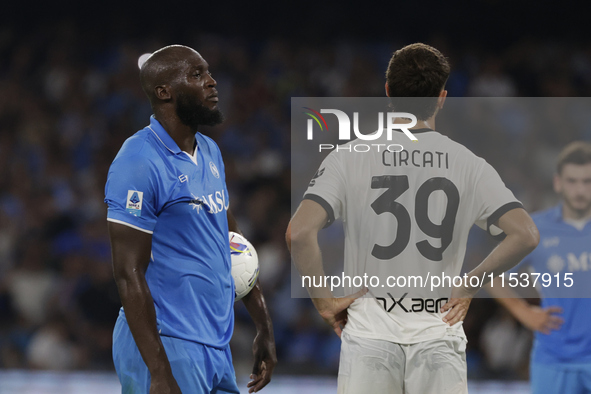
(563, 249)
(182, 201)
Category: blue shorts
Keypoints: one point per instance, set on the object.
(197, 368)
(560, 378)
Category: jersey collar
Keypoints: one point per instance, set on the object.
(163, 136)
(556, 215)
(423, 130)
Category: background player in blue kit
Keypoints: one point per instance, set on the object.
(561, 356)
(168, 223)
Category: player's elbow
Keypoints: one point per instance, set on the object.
(126, 276)
(299, 236)
(288, 236)
(122, 276)
(529, 237)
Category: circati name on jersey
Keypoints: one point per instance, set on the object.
(416, 158)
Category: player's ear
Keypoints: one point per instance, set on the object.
(557, 184)
(163, 92)
(387, 90)
(441, 99)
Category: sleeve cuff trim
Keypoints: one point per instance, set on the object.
(324, 204)
(496, 215)
(129, 225)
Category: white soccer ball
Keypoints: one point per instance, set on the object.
(245, 264)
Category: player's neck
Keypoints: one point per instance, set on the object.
(425, 124)
(572, 214)
(182, 134)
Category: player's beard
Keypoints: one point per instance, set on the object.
(193, 113)
(579, 204)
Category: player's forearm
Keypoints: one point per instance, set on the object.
(507, 298)
(141, 317)
(232, 223)
(307, 258)
(505, 256)
(256, 306)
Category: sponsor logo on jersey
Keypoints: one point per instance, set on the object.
(430, 305)
(318, 174)
(555, 263)
(572, 263)
(214, 169)
(215, 202)
(550, 242)
(183, 178)
(134, 202)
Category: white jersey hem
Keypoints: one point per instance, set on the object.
(408, 341)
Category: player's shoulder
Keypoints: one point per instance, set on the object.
(547, 216)
(208, 144)
(459, 152)
(137, 150)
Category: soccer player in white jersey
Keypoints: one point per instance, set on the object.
(405, 211)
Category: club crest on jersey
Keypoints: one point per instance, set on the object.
(214, 169)
(134, 202)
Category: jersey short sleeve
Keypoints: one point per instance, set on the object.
(492, 199)
(327, 188)
(131, 193)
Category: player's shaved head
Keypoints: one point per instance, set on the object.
(163, 67)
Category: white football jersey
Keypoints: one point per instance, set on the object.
(407, 214)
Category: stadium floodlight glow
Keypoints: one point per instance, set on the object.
(142, 59)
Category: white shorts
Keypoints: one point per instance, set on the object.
(377, 366)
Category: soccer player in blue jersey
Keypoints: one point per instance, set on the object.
(561, 355)
(168, 221)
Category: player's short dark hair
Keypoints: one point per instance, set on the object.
(577, 152)
(417, 70)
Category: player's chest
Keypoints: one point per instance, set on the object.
(569, 253)
(196, 190)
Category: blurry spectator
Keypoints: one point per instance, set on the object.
(491, 81)
(51, 347)
(506, 345)
(31, 284)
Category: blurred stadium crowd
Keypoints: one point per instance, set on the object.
(68, 102)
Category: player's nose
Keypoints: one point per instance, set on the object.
(211, 82)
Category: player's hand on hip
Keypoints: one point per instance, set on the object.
(265, 359)
(334, 310)
(542, 320)
(457, 306)
(164, 384)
